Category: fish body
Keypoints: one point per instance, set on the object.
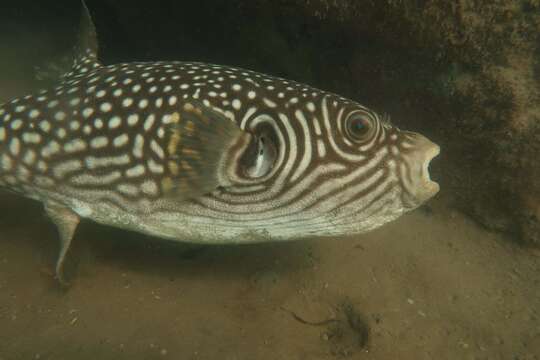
(205, 153)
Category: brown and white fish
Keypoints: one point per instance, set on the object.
(204, 153)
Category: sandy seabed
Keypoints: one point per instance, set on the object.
(432, 285)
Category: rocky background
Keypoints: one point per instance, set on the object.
(466, 73)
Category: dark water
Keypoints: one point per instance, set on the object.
(432, 285)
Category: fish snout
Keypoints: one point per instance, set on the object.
(418, 186)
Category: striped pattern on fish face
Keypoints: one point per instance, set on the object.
(98, 143)
(326, 179)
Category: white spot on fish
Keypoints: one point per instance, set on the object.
(133, 119)
(121, 140)
(135, 171)
(127, 102)
(52, 148)
(149, 122)
(88, 112)
(29, 157)
(149, 187)
(269, 103)
(138, 146)
(98, 123)
(42, 166)
(143, 103)
(16, 124)
(236, 104)
(115, 122)
(32, 138)
(45, 125)
(14, 146)
(99, 142)
(64, 168)
(160, 132)
(128, 189)
(74, 125)
(105, 107)
(93, 162)
(34, 113)
(157, 149)
(74, 101)
(155, 167)
(75, 145)
(6, 163)
(61, 133)
(60, 116)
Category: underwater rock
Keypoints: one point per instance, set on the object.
(483, 71)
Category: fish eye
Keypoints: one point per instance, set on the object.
(359, 127)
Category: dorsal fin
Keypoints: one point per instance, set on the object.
(82, 57)
(86, 49)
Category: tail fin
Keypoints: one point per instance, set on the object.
(81, 58)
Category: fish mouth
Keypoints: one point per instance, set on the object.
(431, 187)
(419, 187)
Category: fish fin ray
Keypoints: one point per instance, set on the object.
(82, 57)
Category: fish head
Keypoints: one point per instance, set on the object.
(336, 169)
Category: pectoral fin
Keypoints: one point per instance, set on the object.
(200, 147)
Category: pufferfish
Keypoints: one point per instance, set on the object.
(204, 153)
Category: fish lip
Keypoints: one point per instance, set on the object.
(421, 188)
(432, 186)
